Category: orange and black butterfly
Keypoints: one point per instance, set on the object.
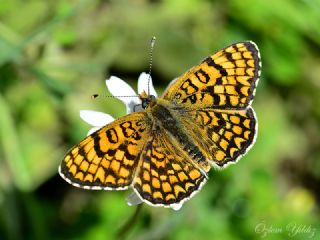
(204, 119)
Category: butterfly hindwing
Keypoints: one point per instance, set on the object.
(108, 158)
(167, 176)
(222, 135)
(225, 80)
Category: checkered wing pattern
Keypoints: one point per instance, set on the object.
(167, 176)
(223, 136)
(108, 158)
(225, 80)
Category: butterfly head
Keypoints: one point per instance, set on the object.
(147, 100)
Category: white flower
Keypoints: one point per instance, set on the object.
(96, 119)
(121, 90)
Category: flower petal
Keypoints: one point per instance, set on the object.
(118, 88)
(92, 130)
(176, 206)
(134, 106)
(96, 119)
(134, 199)
(143, 82)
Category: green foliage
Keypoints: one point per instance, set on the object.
(55, 54)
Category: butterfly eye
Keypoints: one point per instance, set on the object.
(145, 103)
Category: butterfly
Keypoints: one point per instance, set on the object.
(204, 119)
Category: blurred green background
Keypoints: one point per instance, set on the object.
(55, 54)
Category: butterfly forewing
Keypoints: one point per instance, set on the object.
(108, 158)
(225, 80)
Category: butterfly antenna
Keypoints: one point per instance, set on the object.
(95, 96)
(152, 43)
